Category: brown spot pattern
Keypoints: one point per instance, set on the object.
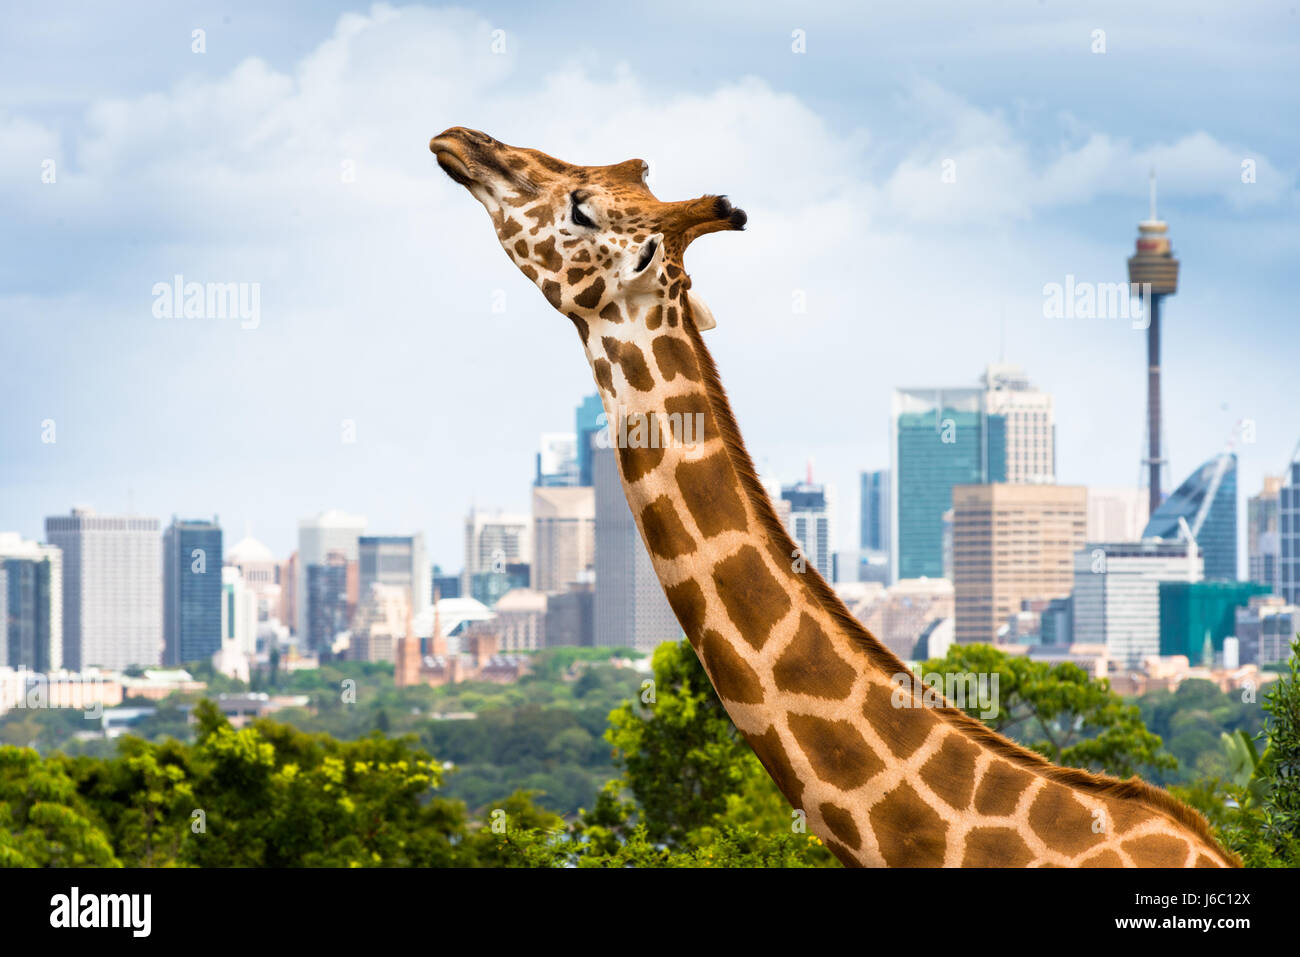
(631, 360)
(838, 753)
(903, 729)
(590, 297)
(675, 357)
(687, 601)
(910, 832)
(777, 763)
(753, 599)
(995, 847)
(1000, 788)
(809, 665)
(950, 771)
(840, 821)
(664, 531)
(1062, 822)
(732, 676)
(1156, 850)
(548, 256)
(711, 496)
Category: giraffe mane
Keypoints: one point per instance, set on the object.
(1134, 789)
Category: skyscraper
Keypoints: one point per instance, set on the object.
(327, 538)
(1207, 501)
(1011, 543)
(564, 536)
(397, 560)
(939, 438)
(1262, 541)
(494, 542)
(112, 589)
(1030, 424)
(630, 608)
(1116, 600)
(1288, 524)
(874, 514)
(328, 601)
(809, 523)
(31, 604)
(192, 585)
(588, 421)
(557, 459)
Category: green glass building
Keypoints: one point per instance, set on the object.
(1190, 609)
(941, 438)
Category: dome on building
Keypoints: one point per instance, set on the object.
(249, 551)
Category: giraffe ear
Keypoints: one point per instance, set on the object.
(700, 313)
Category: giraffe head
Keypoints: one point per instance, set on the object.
(595, 240)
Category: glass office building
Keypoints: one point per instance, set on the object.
(1191, 610)
(192, 562)
(941, 438)
(1217, 537)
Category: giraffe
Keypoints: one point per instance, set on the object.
(884, 773)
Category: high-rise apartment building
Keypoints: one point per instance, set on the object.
(329, 600)
(1116, 599)
(31, 604)
(873, 517)
(112, 589)
(1012, 543)
(192, 583)
(809, 524)
(1288, 532)
(397, 560)
(939, 438)
(564, 535)
(1262, 540)
(630, 607)
(330, 542)
(493, 541)
(1030, 420)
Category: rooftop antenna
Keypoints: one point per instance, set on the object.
(1153, 194)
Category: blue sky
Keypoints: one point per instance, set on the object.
(376, 293)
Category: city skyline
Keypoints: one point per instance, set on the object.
(1043, 189)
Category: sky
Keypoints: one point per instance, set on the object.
(915, 176)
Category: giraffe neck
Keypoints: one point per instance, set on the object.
(882, 775)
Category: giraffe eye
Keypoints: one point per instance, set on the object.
(579, 217)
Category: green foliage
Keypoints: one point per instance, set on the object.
(1256, 810)
(697, 784)
(1059, 711)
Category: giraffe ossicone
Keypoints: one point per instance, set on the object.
(813, 692)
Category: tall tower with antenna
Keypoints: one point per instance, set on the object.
(1153, 263)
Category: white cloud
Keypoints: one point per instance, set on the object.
(376, 298)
